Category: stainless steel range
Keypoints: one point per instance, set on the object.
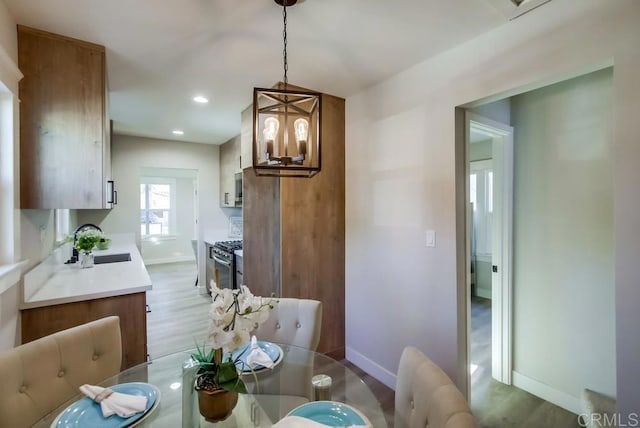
(221, 265)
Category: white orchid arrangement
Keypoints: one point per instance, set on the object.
(234, 314)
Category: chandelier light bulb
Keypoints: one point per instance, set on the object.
(269, 133)
(301, 127)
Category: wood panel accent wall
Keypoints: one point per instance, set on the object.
(63, 121)
(310, 251)
(313, 231)
(261, 233)
(40, 322)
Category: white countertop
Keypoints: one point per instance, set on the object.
(52, 282)
(238, 253)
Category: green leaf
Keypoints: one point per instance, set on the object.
(237, 386)
(227, 378)
(227, 372)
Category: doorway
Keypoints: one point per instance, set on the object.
(562, 253)
(490, 187)
(168, 207)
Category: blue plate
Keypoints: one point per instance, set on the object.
(240, 355)
(330, 413)
(87, 413)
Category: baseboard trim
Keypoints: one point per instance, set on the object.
(371, 367)
(546, 392)
(168, 260)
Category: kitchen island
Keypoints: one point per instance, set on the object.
(59, 296)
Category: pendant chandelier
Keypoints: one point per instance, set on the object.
(286, 125)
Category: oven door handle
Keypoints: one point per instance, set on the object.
(222, 262)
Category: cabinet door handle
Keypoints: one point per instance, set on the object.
(226, 198)
(110, 187)
(112, 192)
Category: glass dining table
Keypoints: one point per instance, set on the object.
(273, 393)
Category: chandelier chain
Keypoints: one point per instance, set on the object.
(284, 37)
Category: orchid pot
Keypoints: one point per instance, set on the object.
(234, 313)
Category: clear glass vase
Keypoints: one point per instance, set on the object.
(190, 416)
(86, 259)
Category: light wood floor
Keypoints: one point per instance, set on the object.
(496, 405)
(179, 313)
(179, 318)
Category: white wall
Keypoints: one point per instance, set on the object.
(130, 154)
(401, 180)
(500, 111)
(8, 33)
(31, 237)
(564, 296)
(481, 150)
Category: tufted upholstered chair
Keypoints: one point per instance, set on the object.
(426, 397)
(39, 376)
(294, 322)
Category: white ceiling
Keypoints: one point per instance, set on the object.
(162, 53)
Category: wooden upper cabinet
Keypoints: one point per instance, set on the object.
(246, 138)
(230, 175)
(64, 131)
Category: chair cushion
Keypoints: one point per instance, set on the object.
(39, 376)
(294, 322)
(426, 396)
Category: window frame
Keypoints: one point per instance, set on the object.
(149, 180)
(62, 224)
(8, 179)
(483, 207)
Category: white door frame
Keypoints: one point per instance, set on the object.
(502, 287)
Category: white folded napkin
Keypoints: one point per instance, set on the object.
(123, 405)
(297, 422)
(257, 357)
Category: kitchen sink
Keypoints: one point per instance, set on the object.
(112, 258)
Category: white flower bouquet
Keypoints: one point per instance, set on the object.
(234, 314)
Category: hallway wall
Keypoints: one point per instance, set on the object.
(401, 180)
(564, 294)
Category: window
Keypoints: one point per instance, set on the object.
(481, 195)
(61, 219)
(473, 190)
(10, 75)
(157, 206)
(489, 191)
(7, 178)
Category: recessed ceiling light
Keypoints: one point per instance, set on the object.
(178, 132)
(200, 99)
